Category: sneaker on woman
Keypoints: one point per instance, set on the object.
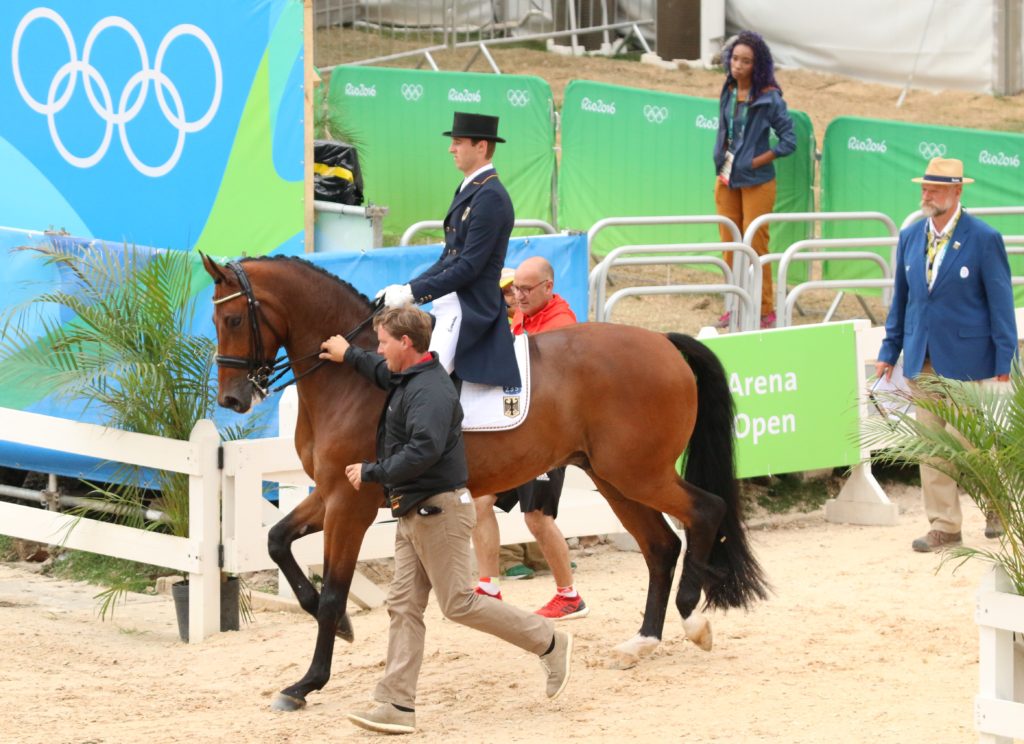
(564, 608)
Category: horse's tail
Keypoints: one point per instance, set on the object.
(734, 577)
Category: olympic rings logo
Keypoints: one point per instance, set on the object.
(518, 98)
(412, 91)
(931, 150)
(655, 114)
(99, 92)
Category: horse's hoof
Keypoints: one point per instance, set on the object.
(344, 630)
(287, 703)
(698, 630)
(627, 655)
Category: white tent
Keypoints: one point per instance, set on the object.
(964, 44)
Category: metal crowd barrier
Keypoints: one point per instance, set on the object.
(599, 276)
(438, 224)
(765, 219)
(607, 222)
(785, 299)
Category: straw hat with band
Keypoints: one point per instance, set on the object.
(944, 172)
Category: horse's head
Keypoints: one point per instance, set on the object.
(246, 340)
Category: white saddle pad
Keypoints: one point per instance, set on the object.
(494, 408)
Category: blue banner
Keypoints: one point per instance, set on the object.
(176, 125)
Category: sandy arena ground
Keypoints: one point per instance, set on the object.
(863, 641)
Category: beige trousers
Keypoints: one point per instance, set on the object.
(938, 491)
(433, 552)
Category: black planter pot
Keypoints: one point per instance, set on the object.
(229, 612)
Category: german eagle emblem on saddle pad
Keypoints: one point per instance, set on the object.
(494, 408)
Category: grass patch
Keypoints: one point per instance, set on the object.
(7, 551)
(102, 570)
(791, 492)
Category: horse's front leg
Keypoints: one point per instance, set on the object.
(305, 519)
(343, 535)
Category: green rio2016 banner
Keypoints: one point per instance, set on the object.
(796, 397)
(868, 164)
(629, 152)
(396, 118)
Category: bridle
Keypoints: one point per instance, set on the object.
(257, 364)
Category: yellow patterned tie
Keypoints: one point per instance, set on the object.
(936, 244)
(933, 248)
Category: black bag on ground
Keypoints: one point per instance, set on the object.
(336, 175)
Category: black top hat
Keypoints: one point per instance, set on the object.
(474, 126)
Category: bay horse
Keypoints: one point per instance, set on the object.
(622, 403)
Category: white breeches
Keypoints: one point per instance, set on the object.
(448, 313)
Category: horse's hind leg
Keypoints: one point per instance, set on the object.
(305, 519)
(700, 514)
(704, 512)
(660, 547)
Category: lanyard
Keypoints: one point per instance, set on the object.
(732, 118)
(936, 244)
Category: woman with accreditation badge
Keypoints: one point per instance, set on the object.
(750, 108)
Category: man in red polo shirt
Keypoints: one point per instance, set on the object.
(539, 309)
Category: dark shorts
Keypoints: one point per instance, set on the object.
(540, 494)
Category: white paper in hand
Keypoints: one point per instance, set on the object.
(889, 396)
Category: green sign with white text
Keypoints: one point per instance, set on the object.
(795, 391)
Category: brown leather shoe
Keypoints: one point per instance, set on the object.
(936, 540)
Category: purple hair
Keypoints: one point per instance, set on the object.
(764, 67)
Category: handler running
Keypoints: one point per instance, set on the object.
(421, 463)
(471, 335)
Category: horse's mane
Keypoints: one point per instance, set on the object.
(295, 260)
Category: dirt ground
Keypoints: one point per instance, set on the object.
(864, 640)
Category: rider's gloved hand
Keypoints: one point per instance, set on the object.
(397, 295)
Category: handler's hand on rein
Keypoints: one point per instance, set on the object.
(397, 295)
(883, 369)
(334, 348)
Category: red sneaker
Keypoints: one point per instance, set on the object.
(564, 608)
(482, 593)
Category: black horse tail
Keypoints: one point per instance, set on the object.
(734, 577)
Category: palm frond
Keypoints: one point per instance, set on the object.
(982, 449)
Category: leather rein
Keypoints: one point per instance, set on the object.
(257, 364)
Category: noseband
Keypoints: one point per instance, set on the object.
(257, 364)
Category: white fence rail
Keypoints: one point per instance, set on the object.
(229, 518)
(999, 704)
(196, 554)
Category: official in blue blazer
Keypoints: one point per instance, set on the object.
(952, 315)
(471, 334)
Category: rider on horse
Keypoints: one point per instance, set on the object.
(471, 335)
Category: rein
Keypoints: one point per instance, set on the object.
(259, 367)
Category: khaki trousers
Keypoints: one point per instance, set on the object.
(938, 491)
(433, 552)
(743, 206)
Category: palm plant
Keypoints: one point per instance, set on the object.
(985, 453)
(124, 345)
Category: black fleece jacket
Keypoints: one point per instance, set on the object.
(419, 436)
